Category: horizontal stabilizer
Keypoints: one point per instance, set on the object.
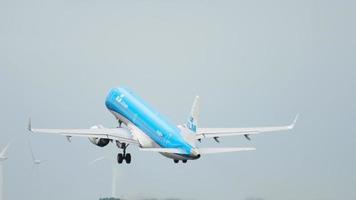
(224, 150)
(200, 150)
(163, 150)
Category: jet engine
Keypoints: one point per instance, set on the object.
(101, 142)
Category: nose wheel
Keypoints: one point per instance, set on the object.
(123, 156)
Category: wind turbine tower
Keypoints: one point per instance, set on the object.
(3, 158)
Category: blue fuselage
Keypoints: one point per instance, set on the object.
(165, 134)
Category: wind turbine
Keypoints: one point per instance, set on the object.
(36, 162)
(35, 169)
(3, 157)
(114, 174)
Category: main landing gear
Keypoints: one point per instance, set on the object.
(177, 161)
(123, 156)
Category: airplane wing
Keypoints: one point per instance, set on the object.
(120, 134)
(221, 132)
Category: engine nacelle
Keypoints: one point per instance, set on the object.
(101, 142)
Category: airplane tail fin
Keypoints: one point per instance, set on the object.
(192, 122)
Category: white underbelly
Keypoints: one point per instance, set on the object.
(180, 156)
(144, 140)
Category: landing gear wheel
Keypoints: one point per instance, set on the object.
(123, 156)
(176, 161)
(128, 158)
(184, 161)
(120, 158)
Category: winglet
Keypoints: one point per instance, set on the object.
(29, 128)
(294, 122)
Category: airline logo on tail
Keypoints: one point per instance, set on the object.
(193, 118)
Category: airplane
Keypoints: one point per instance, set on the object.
(141, 125)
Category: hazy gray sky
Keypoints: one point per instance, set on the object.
(252, 62)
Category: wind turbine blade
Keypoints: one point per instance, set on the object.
(3, 152)
(31, 151)
(96, 160)
(33, 167)
(43, 161)
(1, 183)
